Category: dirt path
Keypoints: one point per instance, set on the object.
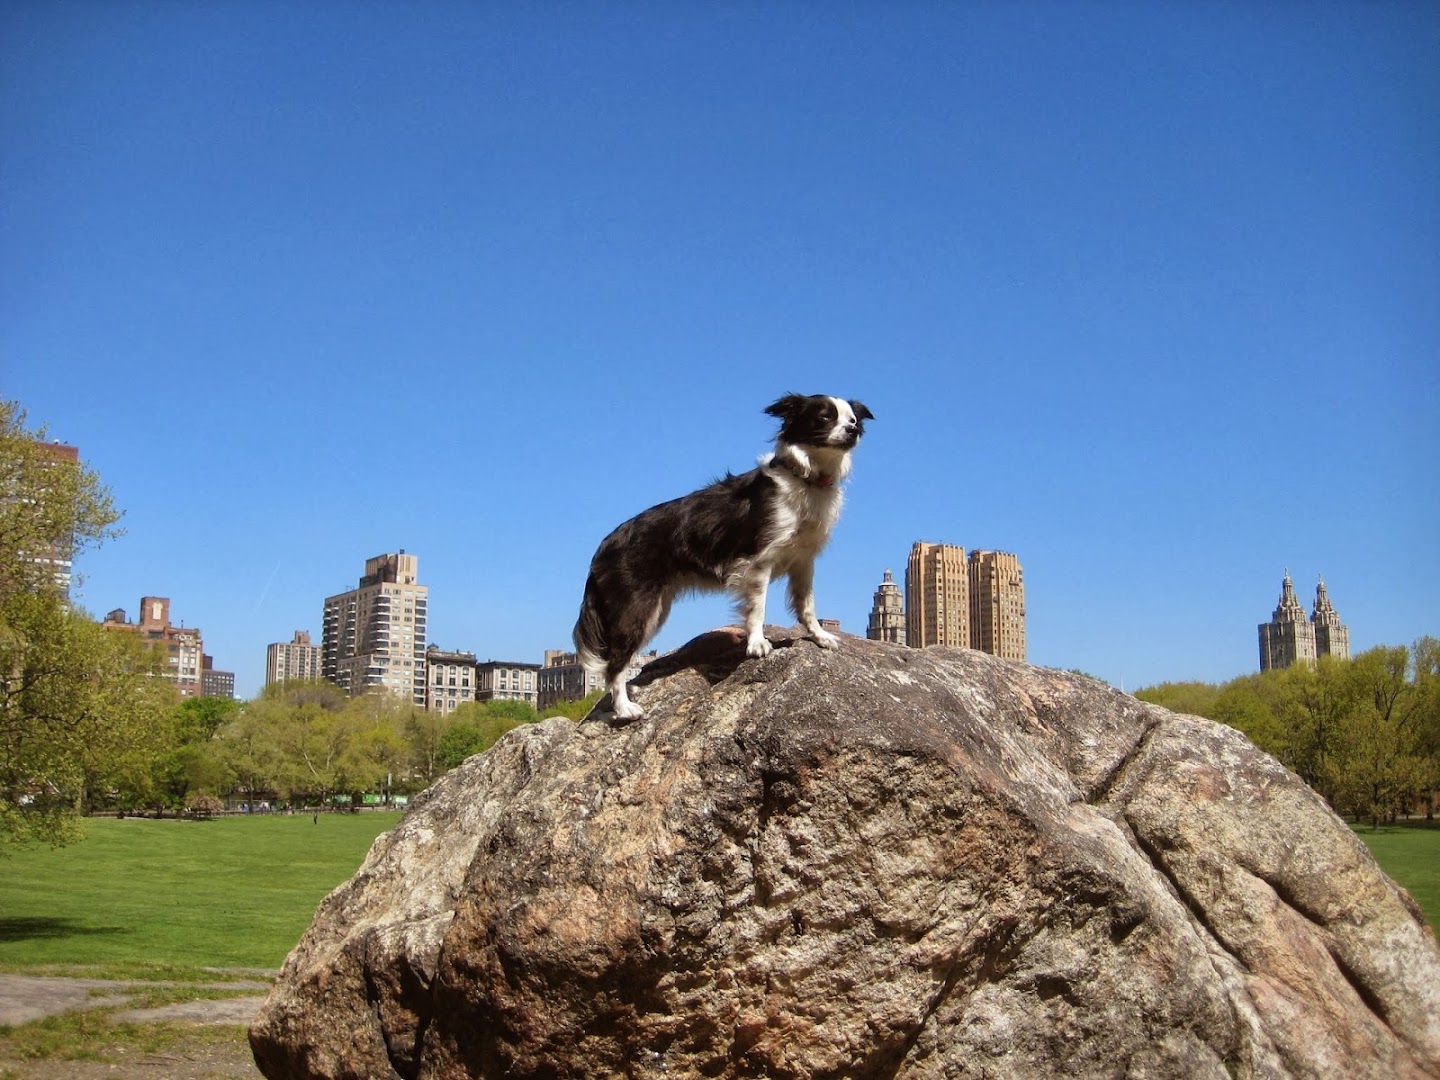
(207, 1056)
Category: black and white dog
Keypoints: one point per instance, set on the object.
(734, 535)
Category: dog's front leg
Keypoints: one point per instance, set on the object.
(752, 607)
(802, 603)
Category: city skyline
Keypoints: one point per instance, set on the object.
(1146, 288)
(1278, 637)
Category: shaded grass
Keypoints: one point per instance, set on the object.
(1411, 855)
(138, 894)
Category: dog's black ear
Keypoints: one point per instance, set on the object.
(788, 407)
(861, 412)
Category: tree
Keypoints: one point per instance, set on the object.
(477, 725)
(82, 716)
(82, 713)
(574, 710)
(1193, 698)
(309, 741)
(48, 506)
(1373, 772)
(373, 748)
(1425, 662)
(191, 762)
(1363, 732)
(423, 731)
(461, 740)
(247, 748)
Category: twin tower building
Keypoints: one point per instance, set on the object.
(1290, 638)
(974, 601)
(977, 601)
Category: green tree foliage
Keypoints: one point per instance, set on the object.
(189, 763)
(476, 725)
(48, 506)
(1364, 732)
(574, 710)
(1191, 698)
(462, 740)
(307, 741)
(423, 731)
(1426, 665)
(82, 715)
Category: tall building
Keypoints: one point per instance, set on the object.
(215, 683)
(974, 602)
(887, 613)
(374, 635)
(450, 679)
(55, 562)
(1289, 638)
(1332, 637)
(297, 658)
(937, 596)
(183, 647)
(997, 604)
(506, 680)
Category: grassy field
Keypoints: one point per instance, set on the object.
(232, 892)
(239, 891)
(1411, 855)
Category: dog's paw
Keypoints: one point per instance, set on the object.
(826, 640)
(758, 648)
(629, 711)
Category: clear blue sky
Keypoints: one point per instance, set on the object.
(1148, 294)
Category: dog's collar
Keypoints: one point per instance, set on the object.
(816, 479)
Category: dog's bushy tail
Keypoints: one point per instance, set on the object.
(589, 634)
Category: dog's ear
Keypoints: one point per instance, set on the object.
(788, 407)
(861, 412)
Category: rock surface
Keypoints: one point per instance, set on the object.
(874, 862)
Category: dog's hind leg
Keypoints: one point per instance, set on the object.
(642, 619)
(625, 709)
(802, 603)
(750, 588)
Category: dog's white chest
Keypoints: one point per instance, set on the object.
(804, 517)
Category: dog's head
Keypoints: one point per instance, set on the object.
(818, 420)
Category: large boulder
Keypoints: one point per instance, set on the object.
(873, 862)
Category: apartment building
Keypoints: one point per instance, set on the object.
(1290, 638)
(55, 562)
(451, 679)
(937, 596)
(974, 601)
(183, 647)
(561, 678)
(213, 682)
(997, 603)
(287, 661)
(374, 635)
(507, 680)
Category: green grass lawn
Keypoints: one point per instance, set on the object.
(239, 891)
(232, 892)
(1411, 855)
